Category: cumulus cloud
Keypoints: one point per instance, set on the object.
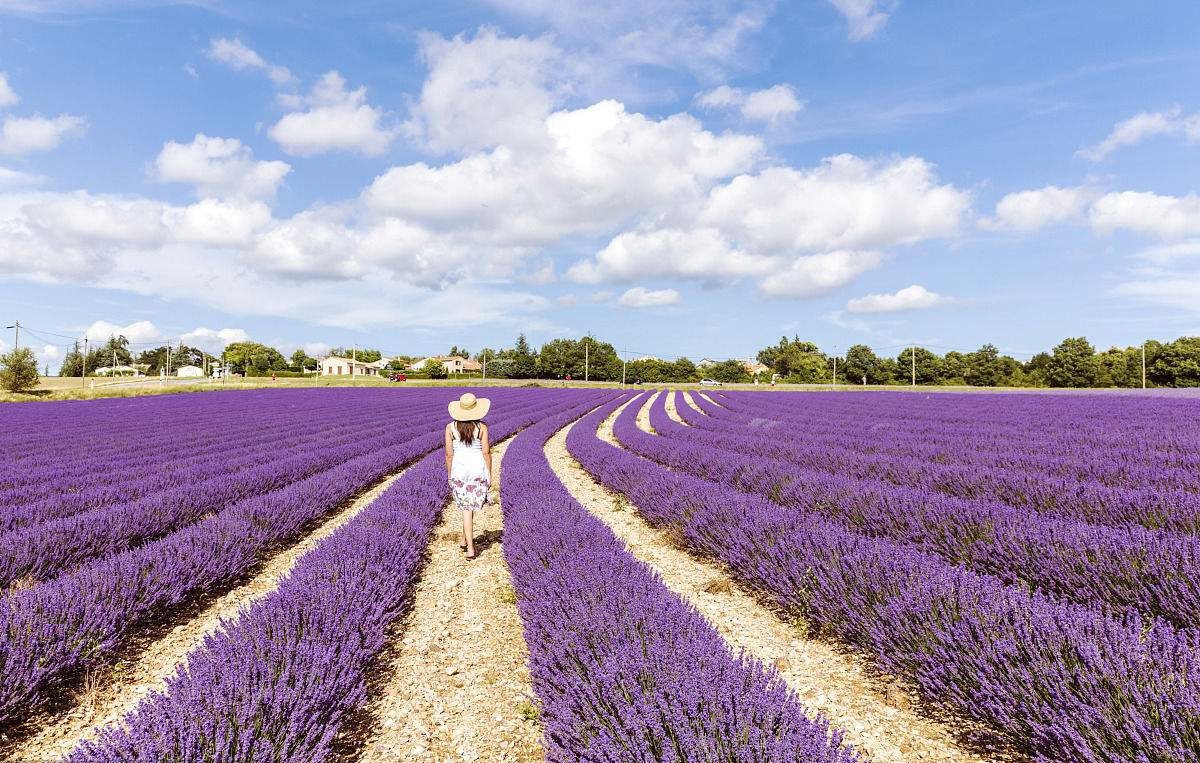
(486, 90)
(768, 105)
(1035, 209)
(214, 341)
(642, 297)
(219, 167)
(138, 332)
(1166, 217)
(10, 178)
(7, 96)
(1177, 290)
(817, 274)
(238, 56)
(702, 254)
(26, 135)
(913, 297)
(1141, 127)
(333, 119)
(863, 17)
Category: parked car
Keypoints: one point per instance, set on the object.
(709, 383)
(396, 376)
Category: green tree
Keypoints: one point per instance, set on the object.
(929, 365)
(1177, 364)
(254, 358)
(796, 361)
(983, 368)
(301, 361)
(1072, 364)
(18, 370)
(460, 352)
(361, 354)
(72, 364)
(434, 369)
(524, 361)
(728, 372)
(562, 357)
(862, 362)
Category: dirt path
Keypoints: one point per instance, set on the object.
(117, 692)
(876, 719)
(687, 398)
(460, 680)
(672, 401)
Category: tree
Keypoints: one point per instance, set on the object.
(1177, 364)
(181, 355)
(983, 368)
(930, 367)
(862, 362)
(1072, 364)
(434, 369)
(459, 352)
(728, 372)
(18, 370)
(252, 358)
(524, 360)
(72, 364)
(796, 361)
(301, 361)
(562, 357)
(362, 354)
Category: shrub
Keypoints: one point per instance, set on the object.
(18, 370)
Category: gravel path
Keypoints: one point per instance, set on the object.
(117, 692)
(877, 718)
(687, 398)
(459, 686)
(672, 401)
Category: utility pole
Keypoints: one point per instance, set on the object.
(835, 366)
(914, 365)
(485, 364)
(114, 365)
(16, 327)
(585, 358)
(83, 364)
(624, 360)
(1143, 364)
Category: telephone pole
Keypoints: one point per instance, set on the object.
(83, 363)
(1143, 364)
(624, 360)
(585, 358)
(914, 365)
(485, 364)
(16, 327)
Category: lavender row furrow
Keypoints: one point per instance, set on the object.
(1130, 570)
(623, 668)
(277, 683)
(1058, 681)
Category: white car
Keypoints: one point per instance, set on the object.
(709, 383)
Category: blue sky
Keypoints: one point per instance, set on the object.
(678, 178)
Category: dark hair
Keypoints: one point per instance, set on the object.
(467, 430)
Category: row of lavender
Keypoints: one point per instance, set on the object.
(1158, 497)
(1059, 681)
(624, 669)
(278, 683)
(52, 630)
(1125, 569)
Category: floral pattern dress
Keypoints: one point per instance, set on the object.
(468, 476)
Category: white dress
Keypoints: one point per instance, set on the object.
(468, 473)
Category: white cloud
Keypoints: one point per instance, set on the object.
(17, 179)
(1166, 217)
(641, 297)
(237, 56)
(213, 341)
(336, 119)
(1035, 209)
(705, 38)
(1167, 253)
(701, 254)
(25, 135)
(913, 297)
(7, 96)
(863, 17)
(603, 295)
(768, 105)
(138, 332)
(817, 274)
(219, 167)
(487, 90)
(1141, 127)
(567, 300)
(1177, 290)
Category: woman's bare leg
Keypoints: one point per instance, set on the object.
(469, 532)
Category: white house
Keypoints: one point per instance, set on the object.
(116, 371)
(191, 372)
(452, 363)
(335, 366)
(706, 362)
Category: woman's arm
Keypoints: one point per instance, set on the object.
(449, 452)
(487, 452)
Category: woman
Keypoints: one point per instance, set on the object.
(469, 461)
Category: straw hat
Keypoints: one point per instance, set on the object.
(469, 408)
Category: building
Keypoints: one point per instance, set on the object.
(190, 372)
(452, 363)
(336, 366)
(116, 371)
(706, 362)
(754, 368)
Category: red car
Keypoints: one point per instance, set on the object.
(397, 377)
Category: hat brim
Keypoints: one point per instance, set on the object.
(477, 412)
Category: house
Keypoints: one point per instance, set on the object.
(754, 368)
(336, 366)
(452, 363)
(706, 362)
(190, 372)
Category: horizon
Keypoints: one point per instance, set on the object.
(674, 180)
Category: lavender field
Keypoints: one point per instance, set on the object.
(271, 575)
